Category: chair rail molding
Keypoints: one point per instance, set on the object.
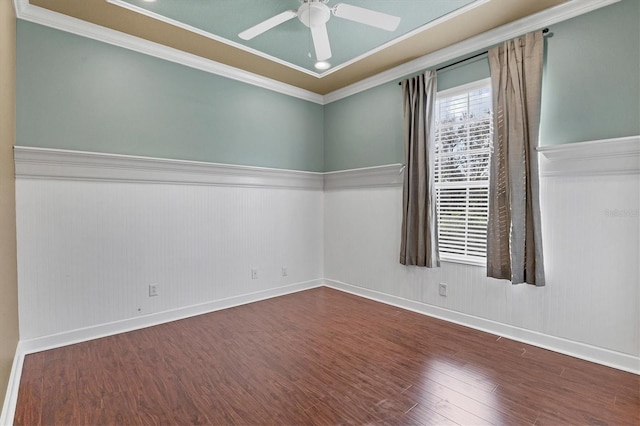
(49, 163)
(366, 177)
(45, 163)
(598, 157)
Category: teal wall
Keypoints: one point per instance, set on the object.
(80, 94)
(364, 129)
(466, 72)
(76, 93)
(591, 84)
(590, 91)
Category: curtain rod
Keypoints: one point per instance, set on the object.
(544, 32)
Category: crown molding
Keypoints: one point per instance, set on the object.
(207, 34)
(46, 163)
(571, 9)
(38, 15)
(438, 21)
(179, 24)
(601, 157)
(508, 31)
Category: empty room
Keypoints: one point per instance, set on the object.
(288, 212)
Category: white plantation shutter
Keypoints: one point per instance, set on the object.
(464, 126)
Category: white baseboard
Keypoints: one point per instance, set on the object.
(102, 330)
(11, 397)
(39, 344)
(595, 354)
(618, 360)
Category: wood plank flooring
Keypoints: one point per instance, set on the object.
(318, 357)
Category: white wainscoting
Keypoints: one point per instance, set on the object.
(95, 230)
(590, 305)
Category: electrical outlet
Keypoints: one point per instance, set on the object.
(284, 271)
(443, 289)
(254, 274)
(153, 290)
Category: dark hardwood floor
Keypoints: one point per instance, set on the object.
(318, 357)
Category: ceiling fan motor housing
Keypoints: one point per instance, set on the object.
(314, 13)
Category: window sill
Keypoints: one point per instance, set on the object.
(465, 261)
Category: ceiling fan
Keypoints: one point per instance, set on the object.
(315, 14)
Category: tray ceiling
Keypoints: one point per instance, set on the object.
(209, 29)
(290, 43)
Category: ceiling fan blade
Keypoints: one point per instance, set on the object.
(366, 16)
(321, 42)
(264, 26)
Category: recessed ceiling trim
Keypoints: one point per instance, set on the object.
(408, 35)
(571, 9)
(179, 24)
(490, 38)
(195, 30)
(38, 15)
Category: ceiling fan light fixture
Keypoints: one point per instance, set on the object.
(322, 65)
(314, 13)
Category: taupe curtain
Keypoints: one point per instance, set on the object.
(514, 237)
(419, 245)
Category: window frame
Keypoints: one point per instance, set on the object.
(453, 91)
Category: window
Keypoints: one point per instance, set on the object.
(464, 130)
